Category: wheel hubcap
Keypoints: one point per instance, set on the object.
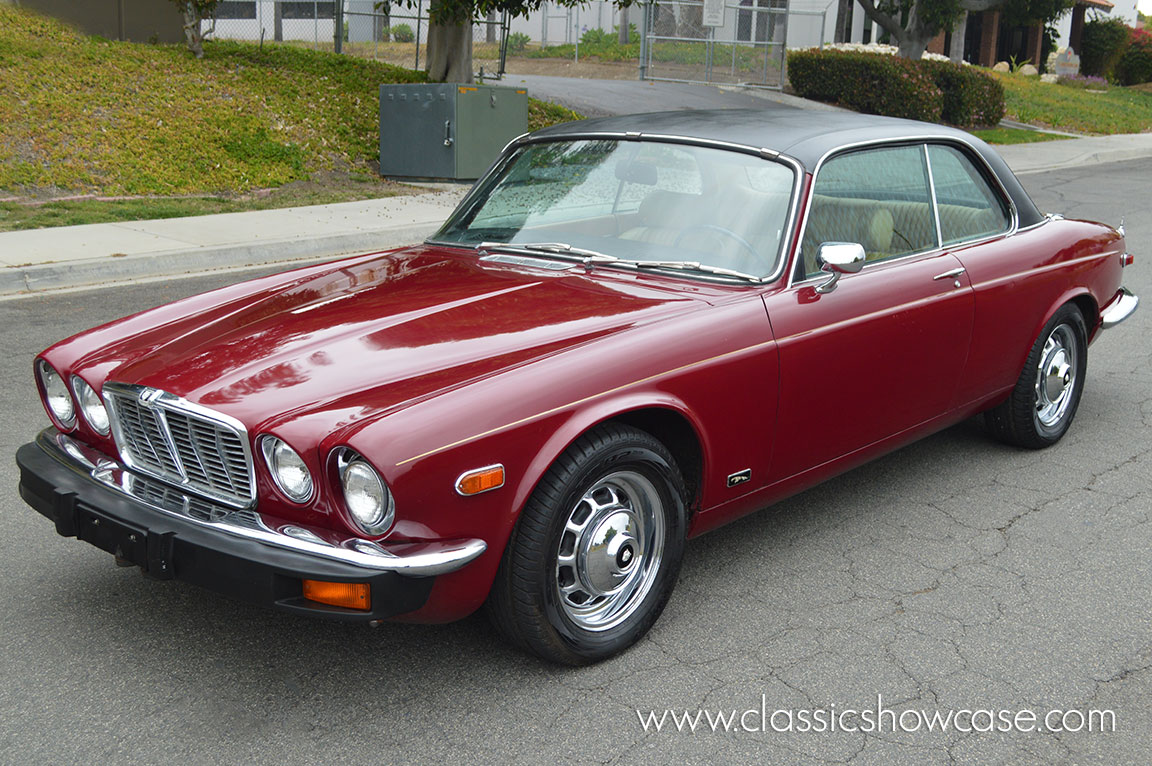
(610, 550)
(1055, 376)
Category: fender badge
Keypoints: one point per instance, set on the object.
(740, 477)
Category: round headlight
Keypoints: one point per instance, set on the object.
(287, 469)
(367, 497)
(91, 405)
(56, 395)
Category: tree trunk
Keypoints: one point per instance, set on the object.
(449, 51)
(622, 30)
(192, 34)
(490, 28)
(277, 21)
(959, 31)
(914, 38)
(843, 22)
(912, 45)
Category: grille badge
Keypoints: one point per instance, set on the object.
(149, 396)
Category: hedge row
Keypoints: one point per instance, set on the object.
(933, 91)
(1136, 61)
(1102, 43)
(1116, 51)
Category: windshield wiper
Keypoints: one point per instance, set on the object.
(693, 266)
(587, 257)
(590, 257)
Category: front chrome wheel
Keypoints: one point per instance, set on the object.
(597, 549)
(1056, 376)
(610, 551)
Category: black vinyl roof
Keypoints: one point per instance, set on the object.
(804, 135)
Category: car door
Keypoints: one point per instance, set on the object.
(883, 351)
(1006, 267)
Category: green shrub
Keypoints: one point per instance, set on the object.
(1103, 43)
(971, 97)
(936, 91)
(866, 82)
(517, 42)
(402, 33)
(596, 36)
(1135, 65)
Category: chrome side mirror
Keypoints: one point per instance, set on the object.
(838, 258)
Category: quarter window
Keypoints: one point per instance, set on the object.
(969, 207)
(878, 198)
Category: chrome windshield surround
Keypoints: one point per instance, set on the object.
(966, 148)
(410, 559)
(769, 155)
(172, 465)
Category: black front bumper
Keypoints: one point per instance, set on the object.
(168, 547)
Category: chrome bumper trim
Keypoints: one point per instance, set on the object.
(410, 559)
(1119, 309)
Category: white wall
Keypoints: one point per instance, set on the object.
(292, 29)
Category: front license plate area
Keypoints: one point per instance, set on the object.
(112, 536)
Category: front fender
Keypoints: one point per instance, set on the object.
(720, 376)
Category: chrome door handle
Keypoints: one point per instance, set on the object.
(949, 274)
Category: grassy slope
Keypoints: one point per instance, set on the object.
(1119, 110)
(1015, 136)
(84, 115)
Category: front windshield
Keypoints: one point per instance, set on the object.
(634, 200)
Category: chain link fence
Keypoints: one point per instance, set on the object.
(393, 33)
(737, 41)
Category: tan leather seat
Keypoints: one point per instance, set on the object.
(833, 219)
(958, 222)
(663, 215)
(693, 223)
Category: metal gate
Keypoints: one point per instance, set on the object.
(394, 32)
(743, 41)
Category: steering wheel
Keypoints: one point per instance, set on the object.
(744, 244)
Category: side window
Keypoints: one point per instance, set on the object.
(878, 198)
(969, 207)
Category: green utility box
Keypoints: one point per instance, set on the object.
(447, 131)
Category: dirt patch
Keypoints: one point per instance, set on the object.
(591, 70)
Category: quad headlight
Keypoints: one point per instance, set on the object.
(287, 468)
(366, 496)
(57, 397)
(91, 405)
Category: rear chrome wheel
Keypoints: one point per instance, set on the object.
(597, 549)
(1056, 376)
(1043, 403)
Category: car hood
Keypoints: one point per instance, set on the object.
(378, 331)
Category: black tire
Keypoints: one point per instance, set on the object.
(638, 488)
(1031, 417)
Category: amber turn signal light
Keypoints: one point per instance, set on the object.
(352, 595)
(481, 480)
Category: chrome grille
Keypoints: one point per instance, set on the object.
(193, 447)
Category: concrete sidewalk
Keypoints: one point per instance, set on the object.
(73, 256)
(96, 254)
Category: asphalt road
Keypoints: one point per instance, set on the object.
(953, 574)
(603, 98)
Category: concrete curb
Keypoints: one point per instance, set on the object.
(43, 277)
(1038, 163)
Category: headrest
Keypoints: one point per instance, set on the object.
(636, 172)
